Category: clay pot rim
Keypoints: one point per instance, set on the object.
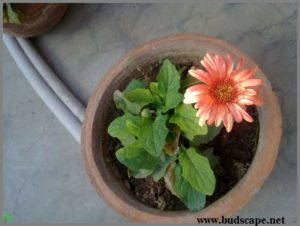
(260, 168)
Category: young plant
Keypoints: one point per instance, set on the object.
(160, 130)
(10, 15)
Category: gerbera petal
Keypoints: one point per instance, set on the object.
(246, 74)
(200, 75)
(257, 100)
(203, 100)
(230, 124)
(191, 99)
(246, 101)
(220, 115)
(212, 115)
(244, 114)
(226, 91)
(202, 119)
(207, 110)
(228, 121)
(242, 75)
(221, 65)
(250, 92)
(196, 89)
(240, 64)
(235, 113)
(208, 67)
(211, 62)
(251, 82)
(229, 64)
(203, 109)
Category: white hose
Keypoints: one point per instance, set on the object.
(48, 75)
(64, 115)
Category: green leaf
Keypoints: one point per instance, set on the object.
(172, 141)
(142, 173)
(134, 157)
(185, 118)
(172, 101)
(169, 178)
(212, 132)
(124, 104)
(181, 70)
(133, 127)
(153, 86)
(134, 84)
(158, 99)
(193, 199)
(146, 113)
(160, 170)
(197, 171)
(140, 96)
(213, 159)
(168, 77)
(13, 17)
(154, 135)
(168, 85)
(119, 128)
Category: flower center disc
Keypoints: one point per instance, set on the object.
(223, 91)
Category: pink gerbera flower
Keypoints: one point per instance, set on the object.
(224, 91)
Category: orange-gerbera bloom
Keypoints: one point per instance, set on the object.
(224, 91)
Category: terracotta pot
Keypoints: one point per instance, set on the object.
(104, 175)
(36, 19)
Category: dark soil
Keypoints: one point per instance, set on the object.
(235, 150)
(155, 194)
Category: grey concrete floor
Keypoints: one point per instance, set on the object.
(44, 175)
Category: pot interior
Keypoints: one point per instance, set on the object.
(106, 177)
(101, 139)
